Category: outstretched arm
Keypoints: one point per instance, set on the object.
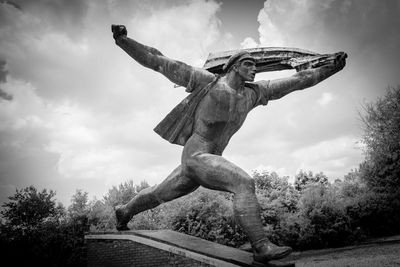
(149, 57)
(278, 88)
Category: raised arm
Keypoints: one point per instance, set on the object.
(149, 57)
(278, 88)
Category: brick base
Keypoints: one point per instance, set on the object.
(163, 248)
(102, 252)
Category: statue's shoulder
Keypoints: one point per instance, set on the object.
(251, 85)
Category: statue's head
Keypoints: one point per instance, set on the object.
(243, 64)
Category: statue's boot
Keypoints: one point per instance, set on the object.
(265, 251)
(122, 218)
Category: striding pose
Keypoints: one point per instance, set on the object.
(204, 122)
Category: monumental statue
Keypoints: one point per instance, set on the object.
(220, 96)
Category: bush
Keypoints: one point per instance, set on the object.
(36, 231)
(208, 214)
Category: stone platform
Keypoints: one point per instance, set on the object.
(163, 248)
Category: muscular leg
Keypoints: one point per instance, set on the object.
(174, 186)
(215, 172)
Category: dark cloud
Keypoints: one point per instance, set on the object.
(5, 95)
(231, 10)
(3, 79)
(61, 15)
(11, 3)
(3, 71)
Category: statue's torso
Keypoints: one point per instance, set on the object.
(220, 114)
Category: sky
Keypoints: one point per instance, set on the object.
(76, 112)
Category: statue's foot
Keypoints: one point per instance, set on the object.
(268, 251)
(118, 31)
(122, 218)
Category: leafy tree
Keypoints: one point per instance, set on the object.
(321, 221)
(28, 207)
(380, 214)
(304, 179)
(123, 193)
(352, 185)
(208, 214)
(276, 196)
(381, 123)
(80, 205)
(269, 181)
(101, 214)
(78, 213)
(36, 228)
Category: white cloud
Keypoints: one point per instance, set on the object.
(269, 168)
(331, 156)
(270, 35)
(325, 98)
(89, 103)
(183, 31)
(248, 42)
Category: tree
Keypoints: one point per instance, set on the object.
(124, 192)
(352, 185)
(79, 204)
(381, 169)
(275, 194)
(78, 212)
(29, 207)
(381, 123)
(101, 212)
(207, 214)
(36, 231)
(304, 179)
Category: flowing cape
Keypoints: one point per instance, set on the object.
(177, 126)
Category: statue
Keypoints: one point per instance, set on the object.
(203, 123)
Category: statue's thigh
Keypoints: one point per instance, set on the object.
(216, 172)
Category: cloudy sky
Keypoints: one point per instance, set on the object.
(77, 113)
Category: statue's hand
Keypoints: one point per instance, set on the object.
(340, 60)
(118, 31)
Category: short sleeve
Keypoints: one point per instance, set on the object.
(199, 78)
(260, 90)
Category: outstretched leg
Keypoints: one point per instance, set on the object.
(215, 172)
(174, 186)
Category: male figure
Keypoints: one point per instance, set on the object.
(214, 111)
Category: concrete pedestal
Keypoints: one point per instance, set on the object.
(163, 248)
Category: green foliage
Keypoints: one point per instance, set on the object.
(79, 205)
(377, 213)
(381, 169)
(208, 214)
(123, 193)
(28, 207)
(275, 194)
(36, 231)
(304, 179)
(352, 187)
(101, 216)
(326, 222)
(381, 121)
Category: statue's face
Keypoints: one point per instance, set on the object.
(247, 70)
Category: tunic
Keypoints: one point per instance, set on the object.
(177, 126)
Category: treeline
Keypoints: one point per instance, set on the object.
(312, 213)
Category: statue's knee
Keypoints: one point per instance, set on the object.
(189, 166)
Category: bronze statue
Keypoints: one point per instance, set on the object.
(203, 124)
